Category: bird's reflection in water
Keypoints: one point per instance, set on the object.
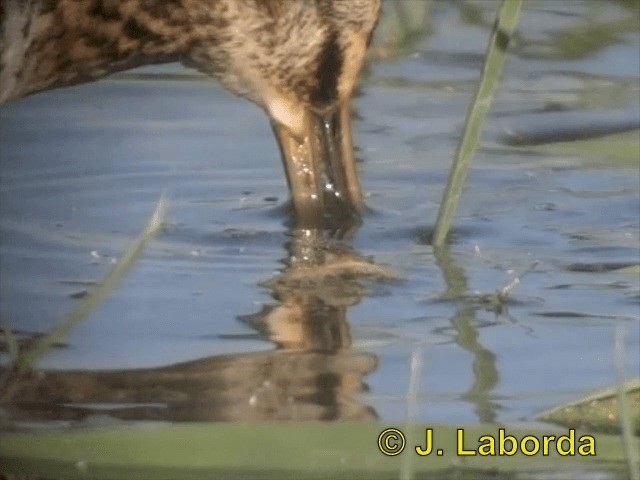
(313, 373)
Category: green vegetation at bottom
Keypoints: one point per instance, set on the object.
(309, 450)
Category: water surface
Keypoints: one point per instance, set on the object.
(82, 169)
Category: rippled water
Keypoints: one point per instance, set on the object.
(82, 169)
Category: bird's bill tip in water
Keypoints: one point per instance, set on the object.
(320, 166)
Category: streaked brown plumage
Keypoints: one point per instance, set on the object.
(297, 59)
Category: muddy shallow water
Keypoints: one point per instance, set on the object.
(82, 169)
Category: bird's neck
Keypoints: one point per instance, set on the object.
(53, 43)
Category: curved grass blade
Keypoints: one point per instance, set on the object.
(25, 361)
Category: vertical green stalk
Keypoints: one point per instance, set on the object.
(626, 422)
(503, 28)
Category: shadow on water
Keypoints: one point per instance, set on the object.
(312, 374)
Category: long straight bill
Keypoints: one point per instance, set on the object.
(320, 168)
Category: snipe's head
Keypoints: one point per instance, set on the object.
(299, 60)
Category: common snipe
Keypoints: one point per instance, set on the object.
(297, 59)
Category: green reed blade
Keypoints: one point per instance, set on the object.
(13, 348)
(626, 422)
(95, 295)
(502, 30)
